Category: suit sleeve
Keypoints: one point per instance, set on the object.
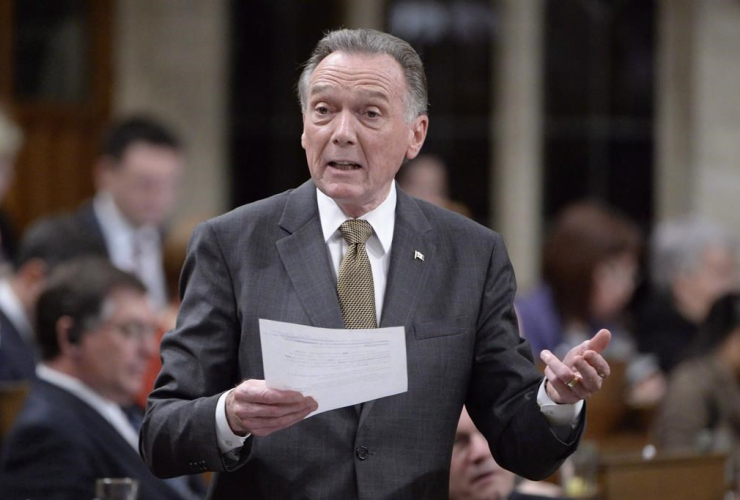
(199, 362)
(502, 395)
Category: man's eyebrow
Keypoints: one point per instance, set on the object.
(320, 88)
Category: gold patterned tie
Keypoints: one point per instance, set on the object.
(355, 287)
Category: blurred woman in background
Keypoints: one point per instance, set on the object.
(693, 262)
(701, 409)
(590, 267)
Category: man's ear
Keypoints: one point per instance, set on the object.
(418, 134)
(303, 134)
(68, 335)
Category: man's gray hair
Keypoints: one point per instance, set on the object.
(677, 246)
(365, 41)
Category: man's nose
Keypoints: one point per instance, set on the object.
(344, 130)
(479, 448)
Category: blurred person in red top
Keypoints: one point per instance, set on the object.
(174, 250)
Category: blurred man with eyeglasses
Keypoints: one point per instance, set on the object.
(96, 331)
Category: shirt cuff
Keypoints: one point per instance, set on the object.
(558, 414)
(227, 440)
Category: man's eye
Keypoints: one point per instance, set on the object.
(461, 440)
(372, 114)
(322, 110)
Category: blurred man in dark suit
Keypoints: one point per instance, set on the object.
(96, 330)
(137, 178)
(18, 294)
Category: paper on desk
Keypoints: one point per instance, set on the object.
(337, 367)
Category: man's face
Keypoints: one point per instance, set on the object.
(112, 358)
(144, 182)
(474, 475)
(354, 131)
(614, 283)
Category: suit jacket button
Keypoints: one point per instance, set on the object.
(362, 453)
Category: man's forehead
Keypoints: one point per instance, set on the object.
(374, 74)
(367, 91)
(126, 300)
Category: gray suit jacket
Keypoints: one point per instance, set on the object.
(269, 260)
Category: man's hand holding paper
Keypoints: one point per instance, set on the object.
(254, 408)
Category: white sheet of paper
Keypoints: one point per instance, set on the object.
(337, 367)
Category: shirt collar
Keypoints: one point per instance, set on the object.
(382, 218)
(76, 387)
(108, 409)
(110, 215)
(112, 221)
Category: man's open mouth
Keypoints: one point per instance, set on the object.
(344, 165)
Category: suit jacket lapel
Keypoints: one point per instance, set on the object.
(406, 273)
(306, 258)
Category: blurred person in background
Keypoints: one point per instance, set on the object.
(701, 409)
(19, 292)
(590, 270)
(692, 263)
(137, 178)
(96, 331)
(174, 249)
(11, 139)
(425, 177)
(475, 475)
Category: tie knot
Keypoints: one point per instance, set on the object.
(356, 231)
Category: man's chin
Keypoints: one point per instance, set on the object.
(486, 487)
(342, 192)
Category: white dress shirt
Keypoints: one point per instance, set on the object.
(107, 409)
(383, 221)
(13, 309)
(137, 250)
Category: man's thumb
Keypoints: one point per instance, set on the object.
(599, 341)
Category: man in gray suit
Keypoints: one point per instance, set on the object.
(445, 279)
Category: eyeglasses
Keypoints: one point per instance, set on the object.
(135, 330)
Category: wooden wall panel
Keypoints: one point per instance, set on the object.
(54, 167)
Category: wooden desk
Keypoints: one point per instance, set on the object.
(674, 476)
(12, 396)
